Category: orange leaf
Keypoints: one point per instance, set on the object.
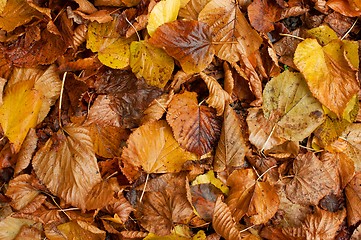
(258, 200)
(153, 147)
(187, 41)
(102, 194)
(235, 38)
(353, 199)
(67, 165)
(311, 182)
(195, 127)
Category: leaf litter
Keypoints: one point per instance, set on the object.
(211, 119)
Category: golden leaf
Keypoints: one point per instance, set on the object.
(231, 148)
(218, 98)
(328, 73)
(67, 165)
(324, 34)
(195, 127)
(163, 12)
(151, 63)
(113, 50)
(19, 112)
(10, 227)
(77, 230)
(153, 147)
(192, 9)
(157, 108)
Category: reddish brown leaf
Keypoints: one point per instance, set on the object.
(187, 41)
(195, 127)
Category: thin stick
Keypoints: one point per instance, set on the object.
(145, 185)
(268, 138)
(274, 166)
(348, 31)
(61, 98)
(246, 229)
(290, 35)
(126, 19)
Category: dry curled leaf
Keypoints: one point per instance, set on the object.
(195, 127)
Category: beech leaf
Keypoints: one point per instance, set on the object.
(19, 112)
(328, 73)
(353, 199)
(163, 12)
(67, 165)
(76, 228)
(195, 127)
(187, 41)
(10, 227)
(311, 182)
(235, 38)
(231, 148)
(289, 103)
(153, 147)
(151, 63)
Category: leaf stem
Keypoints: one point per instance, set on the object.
(290, 35)
(61, 99)
(350, 29)
(145, 185)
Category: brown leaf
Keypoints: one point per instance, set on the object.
(225, 225)
(67, 165)
(192, 9)
(187, 41)
(102, 194)
(26, 151)
(262, 15)
(195, 127)
(344, 8)
(235, 38)
(121, 207)
(323, 224)
(311, 181)
(248, 196)
(76, 228)
(231, 148)
(165, 204)
(28, 233)
(218, 98)
(353, 199)
(157, 108)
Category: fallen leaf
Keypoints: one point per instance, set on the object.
(327, 70)
(102, 194)
(234, 37)
(209, 177)
(195, 127)
(163, 12)
(353, 199)
(113, 50)
(26, 151)
(344, 8)
(323, 224)
(311, 181)
(19, 112)
(67, 165)
(218, 98)
(165, 204)
(231, 148)
(28, 233)
(290, 105)
(157, 108)
(76, 228)
(248, 196)
(225, 225)
(151, 63)
(153, 147)
(187, 41)
(192, 9)
(17, 13)
(121, 207)
(10, 227)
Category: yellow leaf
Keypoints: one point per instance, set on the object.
(324, 34)
(151, 63)
(78, 230)
(19, 112)
(163, 12)
(289, 103)
(113, 50)
(328, 73)
(67, 165)
(2, 5)
(153, 147)
(10, 227)
(209, 177)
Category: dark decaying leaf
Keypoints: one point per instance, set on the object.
(195, 127)
(187, 41)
